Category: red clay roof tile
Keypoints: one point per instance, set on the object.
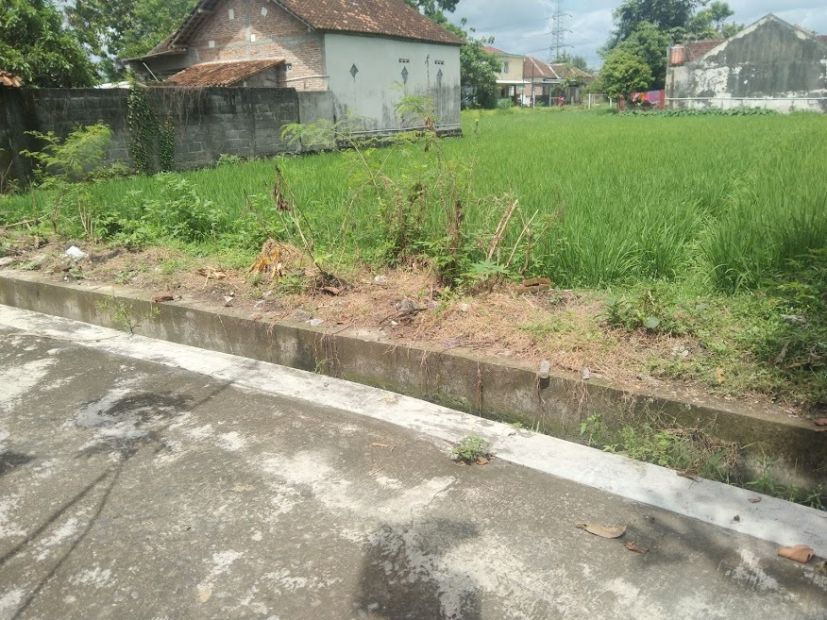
(220, 73)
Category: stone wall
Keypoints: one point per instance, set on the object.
(208, 122)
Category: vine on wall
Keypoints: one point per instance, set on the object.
(151, 141)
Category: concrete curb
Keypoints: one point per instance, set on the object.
(719, 504)
(456, 379)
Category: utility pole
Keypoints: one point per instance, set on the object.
(558, 29)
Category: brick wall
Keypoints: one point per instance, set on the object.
(208, 122)
(261, 29)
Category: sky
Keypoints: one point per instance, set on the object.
(523, 26)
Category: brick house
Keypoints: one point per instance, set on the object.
(367, 53)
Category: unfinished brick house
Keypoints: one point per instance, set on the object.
(367, 53)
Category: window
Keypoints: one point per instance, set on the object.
(264, 11)
(252, 37)
(211, 44)
(231, 13)
(505, 67)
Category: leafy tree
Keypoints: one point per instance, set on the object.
(667, 15)
(114, 29)
(624, 73)
(649, 43)
(434, 7)
(35, 45)
(478, 69)
(575, 61)
(710, 22)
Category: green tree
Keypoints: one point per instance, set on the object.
(434, 7)
(114, 29)
(575, 61)
(711, 21)
(671, 16)
(624, 73)
(649, 43)
(478, 69)
(35, 45)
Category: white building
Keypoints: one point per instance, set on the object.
(368, 54)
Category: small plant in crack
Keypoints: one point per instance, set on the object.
(472, 449)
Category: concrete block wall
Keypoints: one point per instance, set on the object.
(208, 122)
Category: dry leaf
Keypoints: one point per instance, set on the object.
(331, 290)
(754, 500)
(161, 297)
(686, 473)
(537, 283)
(820, 422)
(604, 531)
(482, 460)
(821, 567)
(797, 553)
(634, 548)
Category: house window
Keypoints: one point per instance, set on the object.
(231, 13)
(264, 11)
(505, 67)
(252, 37)
(211, 44)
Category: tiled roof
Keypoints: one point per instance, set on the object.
(696, 49)
(822, 38)
(220, 73)
(385, 17)
(568, 71)
(537, 69)
(10, 79)
(498, 52)
(391, 18)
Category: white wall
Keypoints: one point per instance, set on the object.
(378, 86)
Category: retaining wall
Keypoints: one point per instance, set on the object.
(208, 122)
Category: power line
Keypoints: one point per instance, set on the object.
(558, 32)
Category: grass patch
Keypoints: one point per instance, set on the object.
(706, 227)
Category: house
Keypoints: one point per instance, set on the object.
(541, 81)
(368, 54)
(510, 75)
(573, 80)
(771, 64)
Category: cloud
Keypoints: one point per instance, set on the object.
(524, 26)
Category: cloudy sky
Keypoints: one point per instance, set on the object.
(522, 26)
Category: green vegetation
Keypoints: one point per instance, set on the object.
(712, 228)
(471, 449)
(693, 453)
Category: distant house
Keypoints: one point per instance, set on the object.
(510, 75)
(541, 81)
(367, 53)
(770, 64)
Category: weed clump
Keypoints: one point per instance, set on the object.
(472, 449)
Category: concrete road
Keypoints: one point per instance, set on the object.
(133, 489)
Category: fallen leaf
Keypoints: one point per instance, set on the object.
(797, 553)
(161, 297)
(754, 500)
(604, 531)
(331, 290)
(482, 460)
(688, 474)
(821, 567)
(634, 548)
(820, 422)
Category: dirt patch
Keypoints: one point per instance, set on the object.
(505, 321)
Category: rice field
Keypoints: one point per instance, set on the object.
(724, 202)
